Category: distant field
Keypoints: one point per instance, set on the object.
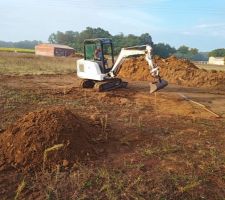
(12, 63)
(18, 50)
(22, 64)
(211, 67)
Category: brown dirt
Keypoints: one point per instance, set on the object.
(152, 146)
(145, 146)
(25, 142)
(177, 71)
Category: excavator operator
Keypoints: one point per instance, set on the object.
(98, 54)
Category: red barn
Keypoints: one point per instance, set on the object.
(53, 50)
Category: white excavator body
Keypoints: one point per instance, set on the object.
(89, 70)
(95, 71)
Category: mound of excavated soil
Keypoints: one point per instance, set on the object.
(24, 143)
(174, 70)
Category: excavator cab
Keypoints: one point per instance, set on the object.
(100, 50)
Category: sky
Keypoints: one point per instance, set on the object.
(195, 23)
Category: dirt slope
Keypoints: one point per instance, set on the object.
(177, 71)
(25, 142)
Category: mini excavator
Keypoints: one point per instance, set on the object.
(99, 70)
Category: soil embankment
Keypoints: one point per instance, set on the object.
(54, 136)
(177, 71)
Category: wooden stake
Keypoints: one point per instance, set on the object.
(201, 105)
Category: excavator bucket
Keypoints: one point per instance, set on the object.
(158, 85)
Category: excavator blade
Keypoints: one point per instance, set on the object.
(158, 85)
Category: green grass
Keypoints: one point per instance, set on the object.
(23, 64)
(16, 50)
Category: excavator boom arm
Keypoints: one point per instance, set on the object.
(131, 52)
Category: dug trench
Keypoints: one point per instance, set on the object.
(123, 144)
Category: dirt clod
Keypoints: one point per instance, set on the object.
(55, 135)
(65, 163)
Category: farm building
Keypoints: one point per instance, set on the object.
(53, 50)
(216, 61)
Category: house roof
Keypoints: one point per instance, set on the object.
(56, 46)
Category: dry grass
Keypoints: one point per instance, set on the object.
(20, 188)
(104, 124)
(16, 50)
(22, 64)
(211, 67)
(48, 150)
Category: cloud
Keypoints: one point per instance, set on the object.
(117, 16)
(210, 29)
(129, 21)
(211, 25)
(127, 16)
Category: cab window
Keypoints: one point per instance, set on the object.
(89, 51)
(107, 51)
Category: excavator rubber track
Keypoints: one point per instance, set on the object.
(110, 84)
(87, 83)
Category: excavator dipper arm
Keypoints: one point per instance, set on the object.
(131, 52)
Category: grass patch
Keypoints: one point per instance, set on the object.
(16, 50)
(50, 149)
(24, 64)
(211, 67)
(20, 188)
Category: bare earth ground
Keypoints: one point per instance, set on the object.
(153, 146)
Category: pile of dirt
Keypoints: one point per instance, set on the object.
(55, 135)
(174, 70)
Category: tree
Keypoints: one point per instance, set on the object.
(52, 38)
(194, 51)
(90, 33)
(26, 44)
(217, 53)
(145, 39)
(121, 41)
(189, 53)
(76, 39)
(163, 50)
(183, 49)
(118, 41)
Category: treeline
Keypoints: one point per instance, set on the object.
(26, 44)
(75, 40)
(217, 53)
(191, 54)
